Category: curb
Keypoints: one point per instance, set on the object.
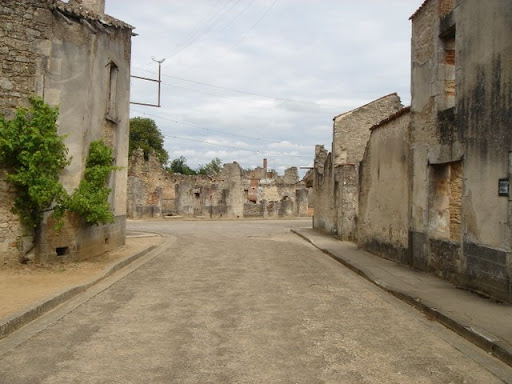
(25, 316)
(501, 352)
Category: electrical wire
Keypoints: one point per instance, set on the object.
(234, 90)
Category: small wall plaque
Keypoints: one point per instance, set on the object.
(503, 187)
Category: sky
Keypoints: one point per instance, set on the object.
(244, 80)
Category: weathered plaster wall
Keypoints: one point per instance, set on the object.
(460, 142)
(61, 53)
(484, 112)
(336, 180)
(383, 223)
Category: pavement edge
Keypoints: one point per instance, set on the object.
(494, 347)
(16, 321)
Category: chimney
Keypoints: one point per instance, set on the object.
(265, 164)
(97, 6)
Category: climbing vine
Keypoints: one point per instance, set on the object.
(90, 199)
(34, 155)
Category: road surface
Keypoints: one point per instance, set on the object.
(239, 302)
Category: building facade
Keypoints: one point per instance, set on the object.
(77, 58)
(434, 181)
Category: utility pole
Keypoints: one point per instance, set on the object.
(159, 81)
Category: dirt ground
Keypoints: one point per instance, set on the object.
(23, 285)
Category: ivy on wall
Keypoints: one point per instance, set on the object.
(34, 155)
(90, 199)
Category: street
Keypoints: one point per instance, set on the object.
(241, 302)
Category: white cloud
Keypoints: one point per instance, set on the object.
(278, 71)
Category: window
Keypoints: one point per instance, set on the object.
(112, 92)
(445, 200)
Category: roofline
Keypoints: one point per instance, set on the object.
(392, 117)
(365, 105)
(419, 9)
(83, 13)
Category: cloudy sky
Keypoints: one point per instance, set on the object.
(245, 80)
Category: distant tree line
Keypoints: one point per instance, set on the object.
(145, 134)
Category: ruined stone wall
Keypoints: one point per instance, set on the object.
(63, 54)
(324, 217)
(151, 190)
(351, 129)
(336, 209)
(383, 223)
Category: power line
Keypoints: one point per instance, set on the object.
(242, 91)
(205, 128)
(279, 154)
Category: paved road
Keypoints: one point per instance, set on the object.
(241, 302)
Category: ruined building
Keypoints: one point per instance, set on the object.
(336, 180)
(434, 180)
(77, 58)
(232, 193)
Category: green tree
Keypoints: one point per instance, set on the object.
(179, 165)
(212, 168)
(145, 134)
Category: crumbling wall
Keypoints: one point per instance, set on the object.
(64, 54)
(323, 191)
(151, 190)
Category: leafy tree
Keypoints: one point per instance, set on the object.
(212, 168)
(145, 134)
(179, 165)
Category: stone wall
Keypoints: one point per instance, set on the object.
(460, 142)
(351, 130)
(67, 55)
(232, 193)
(336, 180)
(383, 223)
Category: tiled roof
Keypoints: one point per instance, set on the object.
(80, 12)
(419, 9)
(394, 116)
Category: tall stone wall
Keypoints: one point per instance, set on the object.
(461, 142)
(66, 55)
(351, 130)
(383, 223)
(337, 179)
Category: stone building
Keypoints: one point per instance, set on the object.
(336, 179)
(434, 180)
(77, 58)
(461, 142)
(232, 193)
